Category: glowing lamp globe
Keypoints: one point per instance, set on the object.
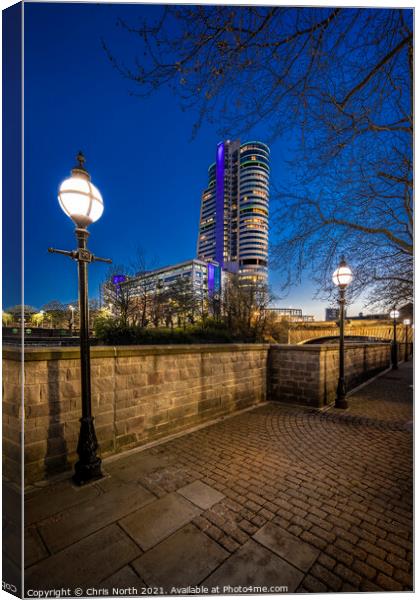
(343, 275)
(79, 198)
(406, 321)
(394, 314)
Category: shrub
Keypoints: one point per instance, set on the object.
(110, 332)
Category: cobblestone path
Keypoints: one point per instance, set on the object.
(323, 499)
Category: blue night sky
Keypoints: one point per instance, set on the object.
(139, 153)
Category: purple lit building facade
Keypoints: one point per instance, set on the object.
(234, 210)
(203, 278)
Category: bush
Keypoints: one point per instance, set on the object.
(110, 332)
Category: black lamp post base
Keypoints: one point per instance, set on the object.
(394, 358)
(89, 466)
(86, 473)
(341, 397)
(341, 403)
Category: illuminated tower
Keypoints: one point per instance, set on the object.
(234, 210)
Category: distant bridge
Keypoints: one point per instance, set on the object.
(301, 333)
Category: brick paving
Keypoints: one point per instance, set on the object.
(335, 486)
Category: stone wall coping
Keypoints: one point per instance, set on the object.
(71, 353)
(324, 347)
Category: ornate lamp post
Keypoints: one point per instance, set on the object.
(71, 318)
(342, 277)
(394, 314)
(407, 324)
(82, 202)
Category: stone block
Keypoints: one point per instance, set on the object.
(69, 389)
(253, 565)
(34, 549)
(287, 546)
(35, 451)
(119, 582)
(201, 494)
(184, 559)
(125, 441)
(85, 563)
(135, 424)
(152, 524)
(102, 384)
(78, 521)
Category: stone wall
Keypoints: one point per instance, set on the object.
(307, 374)
(144, 393)
(12, 415)
(139, 394)
(302, 332)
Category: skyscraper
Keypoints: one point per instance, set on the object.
(234, 210)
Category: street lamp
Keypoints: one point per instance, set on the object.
(342, 277)
(42, 312)
(407, 324)
(71, 319)
(82, 202)
(394, 314)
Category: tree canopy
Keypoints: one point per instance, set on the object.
(337, 84)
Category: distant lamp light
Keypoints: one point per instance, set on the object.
(407, 323)
(394, 314)
(79, 198)
(343, 275)
(71, 308)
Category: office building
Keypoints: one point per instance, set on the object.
(333, 314)
(370, 317)
(292, 315)
(234, 210)
(202, 278)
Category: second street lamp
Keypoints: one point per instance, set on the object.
(342, 277)
(394, 314)
(82, 202)
(407, 324)
(71, 319)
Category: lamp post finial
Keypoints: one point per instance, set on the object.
(81, 159)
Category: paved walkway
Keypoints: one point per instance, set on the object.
(277, 496)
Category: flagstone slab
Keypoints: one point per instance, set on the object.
(85, 563)
(254, 566)
(131, 468)
(201, 494)
(34, 549)
(51, 499)
(287, 546)
(12, 540)
(183, 559)
(12, 502)
(79, 521)
(11, 573)
(150, 525)
(121, 580)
